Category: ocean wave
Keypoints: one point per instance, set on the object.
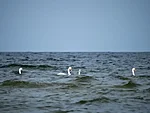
(84, 78)
(143, 76)
(54, 59)
(147, 90)
(66, 85)
(129, 84)
(29, 66)
(22, 84)
(122, 77)
(100, 100)
(25, 84)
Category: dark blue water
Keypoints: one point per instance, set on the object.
(106, 84)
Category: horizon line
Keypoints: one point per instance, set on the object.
(75, 51)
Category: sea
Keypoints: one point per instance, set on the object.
(105, 85)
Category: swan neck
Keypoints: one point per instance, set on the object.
(133, 73)
(69, 72)
(79, 73)
(19, 71)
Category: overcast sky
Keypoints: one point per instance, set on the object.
(75, 25)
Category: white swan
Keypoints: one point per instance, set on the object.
(69, 72)
(79, 71)
(20, 71)
(133, 71)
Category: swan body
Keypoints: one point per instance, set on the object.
(79, 73)
(61, 74)
(133, 71)
(20, 71)
(69, 72)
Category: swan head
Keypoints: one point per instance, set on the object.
(70, 68)
(20, 71)
(133, 71)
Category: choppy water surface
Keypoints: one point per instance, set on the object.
(105, 85)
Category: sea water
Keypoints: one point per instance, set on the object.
(106, 84)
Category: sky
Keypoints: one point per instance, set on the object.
(75, 25)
